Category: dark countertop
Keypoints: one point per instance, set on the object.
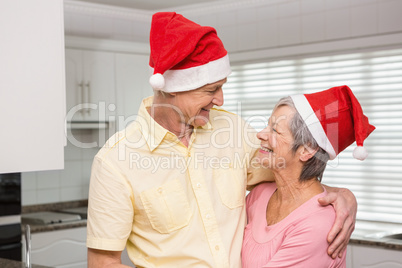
(5, 263)
(55, 226)
(54, 206)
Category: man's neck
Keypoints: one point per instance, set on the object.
(171, 120)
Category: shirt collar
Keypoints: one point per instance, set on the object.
(152, 132)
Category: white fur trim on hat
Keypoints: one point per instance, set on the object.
(195, 77)
(313, 124)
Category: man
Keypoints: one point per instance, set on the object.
(171, 186)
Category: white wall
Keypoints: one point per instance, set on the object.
(250, 29)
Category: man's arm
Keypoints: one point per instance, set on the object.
(345, 205)
(104, 259)
(256, 173)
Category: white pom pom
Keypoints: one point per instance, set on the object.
(157, 81)
(360, 153)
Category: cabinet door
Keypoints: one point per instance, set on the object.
(132, 76)
(99, 85)
(349, 254)
(373, 257)
(74, 85)
(32, 85)
(63, 248)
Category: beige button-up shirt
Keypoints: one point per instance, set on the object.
(172, 205)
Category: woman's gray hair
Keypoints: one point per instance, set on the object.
(315, 166)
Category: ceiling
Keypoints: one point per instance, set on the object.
(150, 4)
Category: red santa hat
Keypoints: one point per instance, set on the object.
(184, 55)
(335, 119)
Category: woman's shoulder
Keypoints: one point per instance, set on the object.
(260, 193)
(263, 188)
(314, 217)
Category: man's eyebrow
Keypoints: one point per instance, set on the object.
(212, 87)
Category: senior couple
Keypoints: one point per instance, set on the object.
(197, 218)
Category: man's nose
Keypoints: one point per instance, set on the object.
(218, 97)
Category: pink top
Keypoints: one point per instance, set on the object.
(299, 240)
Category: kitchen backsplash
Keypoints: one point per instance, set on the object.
(69, 184)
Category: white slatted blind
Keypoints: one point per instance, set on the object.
(375, 77)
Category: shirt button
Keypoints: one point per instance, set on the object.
(199, 185)
(216, 248)
(188, 154)
(160, 190)
(208, 216)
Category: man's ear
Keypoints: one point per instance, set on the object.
(306, 153)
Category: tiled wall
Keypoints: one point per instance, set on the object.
(247, 25)
(69, 184)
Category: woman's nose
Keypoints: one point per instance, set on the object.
(263, 134)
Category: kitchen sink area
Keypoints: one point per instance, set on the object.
(387, 235)
(49, 217)
(55, 216)
(394, 236)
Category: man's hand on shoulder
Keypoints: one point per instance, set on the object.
(345, 205)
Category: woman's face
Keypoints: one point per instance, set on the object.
(276, 140)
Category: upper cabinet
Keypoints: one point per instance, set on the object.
(132, 76)
(32, 85)
(106, 81)
(90, 83)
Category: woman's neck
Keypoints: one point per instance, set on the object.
(290, 194)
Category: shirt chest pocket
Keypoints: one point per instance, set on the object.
(231, 185)
(167, 206)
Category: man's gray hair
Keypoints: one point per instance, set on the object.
(160, 93)
(315, 166)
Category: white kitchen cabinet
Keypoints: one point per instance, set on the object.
(373, 257)
(90, 85)
(32, 85)
(132, 76)
(349, 257)
(60, 249)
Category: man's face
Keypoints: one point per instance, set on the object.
(195, 104)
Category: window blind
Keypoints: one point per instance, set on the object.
(375, 77)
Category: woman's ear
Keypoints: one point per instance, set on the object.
(306, 153)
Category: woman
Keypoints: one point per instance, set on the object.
(286, 225)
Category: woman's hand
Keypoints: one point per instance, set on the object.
(345, 204)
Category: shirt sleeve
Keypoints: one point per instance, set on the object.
(255, 172)
(306, 244)
(110, 208)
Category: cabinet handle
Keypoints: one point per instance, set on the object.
(81, 100)
(28, 246)
(88, 85)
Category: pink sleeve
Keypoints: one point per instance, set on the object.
(305, 244)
